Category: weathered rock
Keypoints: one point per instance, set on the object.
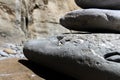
(12, 69)
(95, 20)
(45, 14)
(104, 4)
(20, 19)
(9, 31)
(83, 56)
(22, 69)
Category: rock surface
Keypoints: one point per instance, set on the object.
(104, 4)
(45, 14)
(94, 20)
(12, 69)
(82, 56)
(22, 69)
(9, 32)
(20, 19)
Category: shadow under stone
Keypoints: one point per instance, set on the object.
(94, 31)
(44, 72)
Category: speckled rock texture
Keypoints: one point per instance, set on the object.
(82, 56)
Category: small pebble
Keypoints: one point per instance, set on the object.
(9, 51)
(3, 54)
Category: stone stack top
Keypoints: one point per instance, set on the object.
(102, 4)
(96, 16)
(92, 20)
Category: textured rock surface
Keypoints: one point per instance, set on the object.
(45, 16)
(104, 4)
(12, 69)
(20, 19)
(22, 69)
(9, 32)
(82, 56)
(92, 20)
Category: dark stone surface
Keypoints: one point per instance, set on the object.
(82, 56)
(103, 4)
(93, 20)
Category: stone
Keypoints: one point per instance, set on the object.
(82, 56)
(93, 20)
(9, 31)
(25, 19)
(9, 51)
(43, 21)
(22, 69)
(12, 69)
(103, 4)
(3, 54)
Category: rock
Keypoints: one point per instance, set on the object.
(43, 21)
(9, 51)
(82, 56)
(22, 69)
(3, 54)
(12, 69)
(21, 19)
(104, 4)
(93, 20)
(9, 31)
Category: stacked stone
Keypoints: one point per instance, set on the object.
(101, 16)
(83, 56)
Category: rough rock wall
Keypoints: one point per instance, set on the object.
(43, 16)
(9, 31)
(20, 19)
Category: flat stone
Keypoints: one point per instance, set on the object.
(93, 20)
(9, 51)
(12, 69)
(104, 4)
(82, 56)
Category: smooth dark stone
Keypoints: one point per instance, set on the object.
(82, 56)
(103, 4)
(92, 20)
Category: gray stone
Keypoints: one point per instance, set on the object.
(94, 20)
(104, 4)
(82, 56)
(3, 54)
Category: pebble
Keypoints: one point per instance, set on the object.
(11, 51)
(3, 54)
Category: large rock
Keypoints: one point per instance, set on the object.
(45, 14)
(9, 31)
(22, 69)
(82, 56)
(12, 69)
(92, 20)
(104, 4)
(20, 19)
(37, 18)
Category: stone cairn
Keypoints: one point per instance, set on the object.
(101, 16)
(83, 56)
